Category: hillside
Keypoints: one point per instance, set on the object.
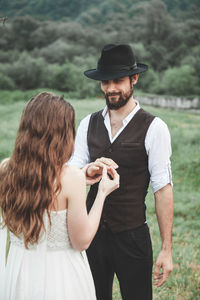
(76, 9)
(38, 52)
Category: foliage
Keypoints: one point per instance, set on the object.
(6, 83)
(26, 72)
(65, 9)
(180, 80)
(32, 48)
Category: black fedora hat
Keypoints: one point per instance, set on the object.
(116, 61)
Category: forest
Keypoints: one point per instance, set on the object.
(48, 44)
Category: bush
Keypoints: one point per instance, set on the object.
(6, 83)
(27, 72)
(65, 78)
(9, 56)
(149, 81)
(141, 54)
(55, 52)
(69, 78)
(180, 81)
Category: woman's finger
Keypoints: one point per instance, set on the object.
(114, 175)
(104, 172)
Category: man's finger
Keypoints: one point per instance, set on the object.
(159, 276)
(94, 168)
(108, 162)
(162, 278)
(157, 271)
(98, 164)
(165, 276)
(91, 181)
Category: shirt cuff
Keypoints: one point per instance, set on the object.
(162, 180)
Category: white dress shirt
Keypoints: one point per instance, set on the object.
(157, 144)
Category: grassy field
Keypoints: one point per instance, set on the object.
(184, 282)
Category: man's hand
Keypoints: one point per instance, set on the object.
(93, 171)
(108, 162)
(163, 267)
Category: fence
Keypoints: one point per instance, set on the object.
(170, 102)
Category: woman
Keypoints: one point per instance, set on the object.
(43, 205)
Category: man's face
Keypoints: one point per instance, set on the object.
(117, 92)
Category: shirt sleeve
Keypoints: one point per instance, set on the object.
(81, 156)
(158, 147)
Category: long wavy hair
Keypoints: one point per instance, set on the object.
(30, 179)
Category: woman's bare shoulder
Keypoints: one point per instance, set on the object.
(72, 170)
(71, 175)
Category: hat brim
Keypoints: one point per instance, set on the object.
(109, 75)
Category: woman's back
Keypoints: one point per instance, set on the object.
(55, 235)
(51, 269)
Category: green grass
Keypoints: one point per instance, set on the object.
(184, 282)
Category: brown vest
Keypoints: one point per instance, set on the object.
(125, 207)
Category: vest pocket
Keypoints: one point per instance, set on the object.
(132, 145)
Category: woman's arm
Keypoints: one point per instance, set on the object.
(82, 226)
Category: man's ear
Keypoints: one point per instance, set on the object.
(134, 79)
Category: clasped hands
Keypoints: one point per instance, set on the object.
(93, 171)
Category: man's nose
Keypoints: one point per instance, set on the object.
(111, 87)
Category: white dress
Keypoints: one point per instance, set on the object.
(50, 270)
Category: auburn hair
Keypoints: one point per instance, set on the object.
(30, 179)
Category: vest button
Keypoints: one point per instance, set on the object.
(110, 150)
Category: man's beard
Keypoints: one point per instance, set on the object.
(122, 100)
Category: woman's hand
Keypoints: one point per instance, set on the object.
(107, 185)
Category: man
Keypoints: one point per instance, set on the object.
(125, 135)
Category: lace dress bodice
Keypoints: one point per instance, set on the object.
(56, 236)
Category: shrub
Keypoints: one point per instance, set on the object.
(6, 83)
(69, 78)
(65, 78)
(149, 81)
(180, 81)
(9, 56)
(27, 72)
(55, 52)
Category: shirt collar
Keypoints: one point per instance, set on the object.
(105, 113)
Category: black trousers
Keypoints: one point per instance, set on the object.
(127, 254)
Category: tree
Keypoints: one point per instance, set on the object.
(180, 81)
(6, 83)
(22, 28)
(27, 72)
(157, 22)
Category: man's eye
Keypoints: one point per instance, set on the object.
(117, 80)
(104, 81)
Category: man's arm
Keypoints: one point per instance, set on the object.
(81, 157)
(164, 212)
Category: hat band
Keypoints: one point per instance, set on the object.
(116, 67)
